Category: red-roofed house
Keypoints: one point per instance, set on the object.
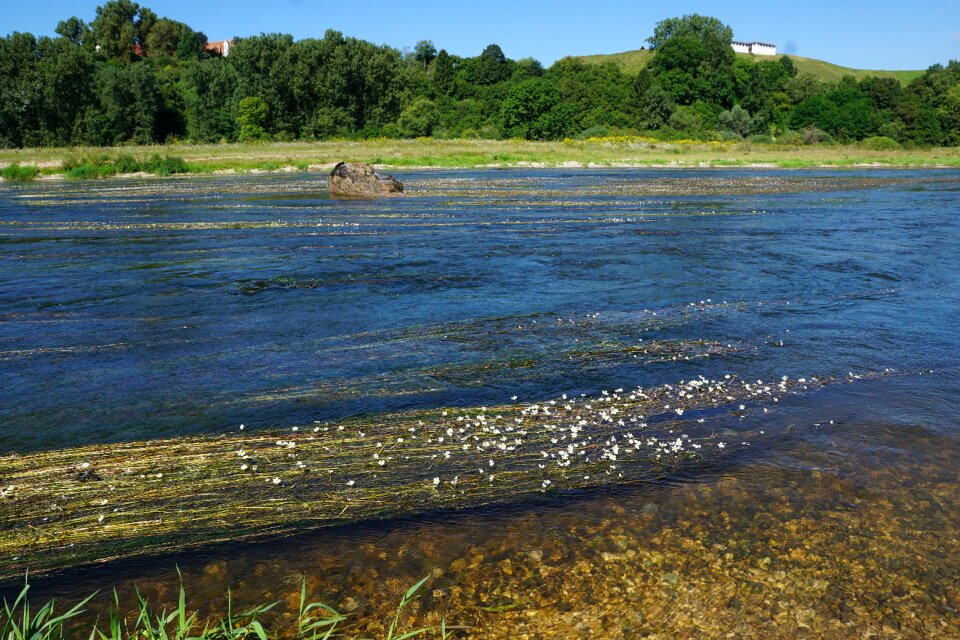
(219, 47)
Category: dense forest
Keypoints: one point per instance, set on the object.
(131, 77)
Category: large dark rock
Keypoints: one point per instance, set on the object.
(360, 180)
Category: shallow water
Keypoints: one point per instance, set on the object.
(140, 309)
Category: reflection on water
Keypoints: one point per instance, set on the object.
(140, 309)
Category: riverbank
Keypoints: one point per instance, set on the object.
(430, 153)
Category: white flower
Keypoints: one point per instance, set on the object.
(243, 467)
(350, 483)
(720, 445)
(276, 481)
(436, 481)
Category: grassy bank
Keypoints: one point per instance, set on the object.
(600, 152)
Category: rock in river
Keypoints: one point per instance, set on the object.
(359, 179)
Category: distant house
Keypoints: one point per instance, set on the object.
(219, 47)
(755, 48)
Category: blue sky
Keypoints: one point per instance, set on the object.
(882, 34)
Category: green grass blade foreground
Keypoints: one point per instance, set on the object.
(315, 621)
(42, 625)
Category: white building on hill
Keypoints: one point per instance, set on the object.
(756, 48)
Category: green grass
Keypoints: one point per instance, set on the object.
(314, 621)
(828, 72)
(15, 173)
(104, 165)
(630, 62)
(633, 61)
(85, 163)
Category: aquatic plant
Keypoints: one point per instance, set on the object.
(96, 503)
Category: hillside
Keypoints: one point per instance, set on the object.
(633, 61)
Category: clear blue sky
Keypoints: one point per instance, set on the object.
(881, 34)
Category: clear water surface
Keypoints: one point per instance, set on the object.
(140, 309)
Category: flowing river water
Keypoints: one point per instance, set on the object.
(138, 310)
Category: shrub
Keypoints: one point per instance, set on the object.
(815, 135)
(880, 143)
(594, 132)
(736, 119)
(125, 164)
(83, 172)
(15, 173)
(790, 137)
(165, 166)
(103, 166)
(760, 138)
(894, 129)
(252, 115)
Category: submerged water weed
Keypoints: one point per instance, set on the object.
(176, 493)
(315, 621)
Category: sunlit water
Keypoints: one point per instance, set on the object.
(141, 309)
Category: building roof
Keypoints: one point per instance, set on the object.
(218, 46)
(750, 44)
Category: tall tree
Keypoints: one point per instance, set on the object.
(492, 66)
(164, 38)
(424, 52)
(129, 103)
(443, 73)
(694, 60)
(121, 28)
(704, 28)
(74, 30)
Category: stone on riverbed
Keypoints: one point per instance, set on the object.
(360, 180)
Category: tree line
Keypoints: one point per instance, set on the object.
(131, 77)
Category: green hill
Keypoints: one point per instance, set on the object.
(632, 61)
